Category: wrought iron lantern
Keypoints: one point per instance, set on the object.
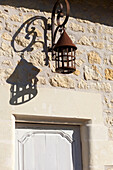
(63, 52)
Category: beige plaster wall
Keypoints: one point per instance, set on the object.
(23, 32)
(52, 105)
(83, 95)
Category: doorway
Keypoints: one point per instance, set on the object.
(47, 147)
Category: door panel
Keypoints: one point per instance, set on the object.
(48, 149)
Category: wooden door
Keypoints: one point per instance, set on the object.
(48, 149)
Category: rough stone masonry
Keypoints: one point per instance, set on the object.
(23, 33)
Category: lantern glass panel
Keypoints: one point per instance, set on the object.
(65, 60)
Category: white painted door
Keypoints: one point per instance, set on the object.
(48, 149)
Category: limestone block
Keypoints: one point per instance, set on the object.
(36, 30)
(92, 29)
(41, 80)
(82, 84)
(1, 27)
(108, 74)
(92, 73)
(37, 59)
(39, 34)
(38, 44)
(106, 99)
(76, 27)
(109, 30)
(111, 40)
(62, 81)
(5, 73)
(6, 36)
(7, 62)
(8, 71)
(42, 24)
(99, 45)
(47, 14)
(22, 41)
(83, 21)
(106, 61)
(15, 18)
(106, 87)
(78, 52)
(2, 53)
(49, 22)
(20, 14)
(111, 59)
(5, 47)
(52, 66)
(49, 36)
(26, 17)
(36, 22)
(79, 62)
(84, 41)
(110, 48)
(8, 27)
(96, 86)
(77, 72)
(26, 10)
(109, 121)
(93, 57)
(100, 29)
(49, 56)
(109, 105)
(92, 38)
(3, 15)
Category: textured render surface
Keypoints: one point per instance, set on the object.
(56, 103)
(23, 33)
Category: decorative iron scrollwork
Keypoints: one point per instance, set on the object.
(60, 14)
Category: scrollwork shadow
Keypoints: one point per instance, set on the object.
(31, 31)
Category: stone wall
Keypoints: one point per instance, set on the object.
(24, 34)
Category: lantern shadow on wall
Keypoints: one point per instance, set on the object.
(23, 83)
(23, 80)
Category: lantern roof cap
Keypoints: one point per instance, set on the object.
(64, 41)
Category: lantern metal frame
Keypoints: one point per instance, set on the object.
(63, 52)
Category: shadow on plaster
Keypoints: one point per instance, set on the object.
(23, 80)
(23, 83)
(31, 35)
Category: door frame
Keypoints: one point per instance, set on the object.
(45, 121)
